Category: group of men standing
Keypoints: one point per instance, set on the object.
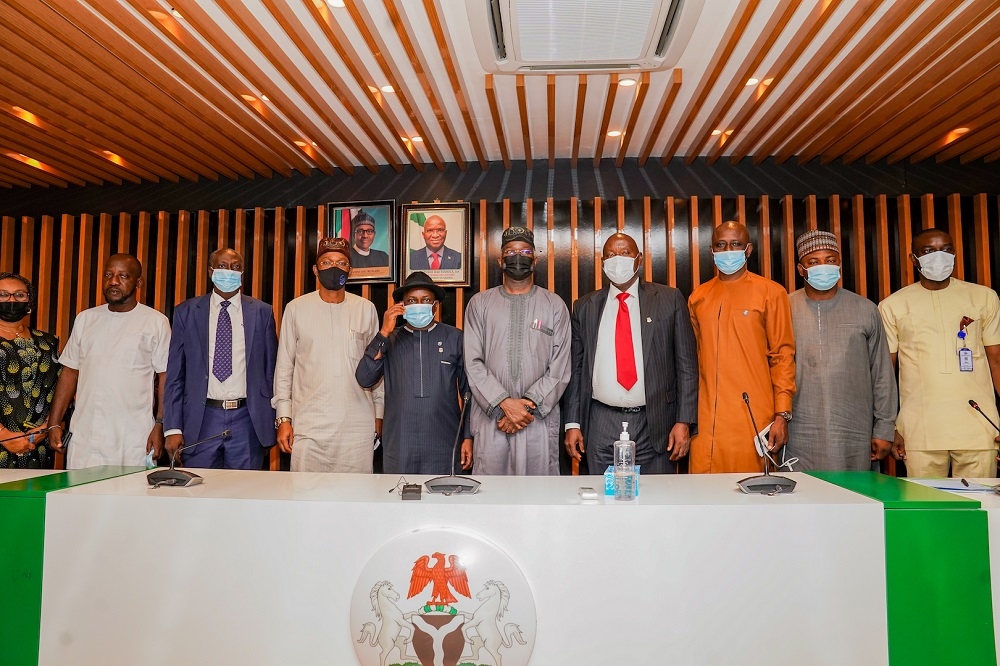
(688, 376)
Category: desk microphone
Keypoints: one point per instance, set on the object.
(766, 483)
(451, 484)
(180, 477)
(975, 406)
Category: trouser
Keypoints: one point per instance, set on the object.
(240, 450)
(965, 464)
(604, 429)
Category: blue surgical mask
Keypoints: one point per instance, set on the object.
(730, 261)
(823, 277)
(419, 315)
(226, 280)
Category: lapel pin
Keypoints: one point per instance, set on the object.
(649, 320)
(746, 312)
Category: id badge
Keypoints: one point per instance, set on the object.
(965, 360)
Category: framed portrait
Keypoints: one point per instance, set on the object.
(437, 241)
(370, 228)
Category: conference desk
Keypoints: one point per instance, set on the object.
(9, 475)
(261, 568)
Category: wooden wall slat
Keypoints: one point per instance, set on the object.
(103, 244)
(300, 260)
(257, 289)
(927, 211)
(84, 265)
(183, 242)
(239, 229)
(647, 240)
(811, 222)
(7, 243)
(550, 245)
(483, 245)
(955, 229)
(223, 230)
(124, 233)
(574, 249)
(671, 245)
(598, 245)
(277, 298)
(717, 211)
(765, 237)
(788, 221)
(64, 297)
(44, 284)
(693, 223)
(741, 209)
(882, 245)
(982, 224)
(905, 236)
(835, 219)
(860, 272)
(162, 250)
(142, 248)
(202, 253)
(27, 247)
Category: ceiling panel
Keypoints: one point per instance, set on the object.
(110, 91)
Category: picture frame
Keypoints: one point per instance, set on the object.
(374, 256)
(449, 238)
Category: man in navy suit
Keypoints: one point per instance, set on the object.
(434, 256)
(220, 373)
(633, 347)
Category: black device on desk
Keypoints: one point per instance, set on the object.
(454, 485)
(180, 477)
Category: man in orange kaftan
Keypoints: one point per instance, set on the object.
(743, 326)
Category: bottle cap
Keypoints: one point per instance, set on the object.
(624, 436)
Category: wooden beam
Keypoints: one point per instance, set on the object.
(581, 102)
(609, 105)
(491, 99)
(522, 112)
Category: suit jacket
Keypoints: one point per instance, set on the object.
(450, 259)
(187, 367)
(669, 353)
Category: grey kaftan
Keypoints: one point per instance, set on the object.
(846, 385)
(517, 346)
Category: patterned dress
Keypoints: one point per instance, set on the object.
(29, 368)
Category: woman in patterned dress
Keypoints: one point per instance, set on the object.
(29, 368)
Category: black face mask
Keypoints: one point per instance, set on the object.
(332, 278)
(518, 267)
(13, 311)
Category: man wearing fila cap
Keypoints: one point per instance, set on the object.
(325, 419)
(845, 402)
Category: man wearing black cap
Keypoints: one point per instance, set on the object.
(517, 358)
(325, 420)
(424, 380)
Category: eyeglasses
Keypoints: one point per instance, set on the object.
(526, 252)
(342, 264)
(20, 296)
(365, 232)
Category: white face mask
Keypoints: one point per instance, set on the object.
(937, 266)
(620, 269)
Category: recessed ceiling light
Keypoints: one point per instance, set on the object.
(627, 82)
(716, 132)
(301, 144)
(17, 109)
(263, 98)
(176, 13)
(388, 89)
(767, 82)
(960, 130)
(728, 132)
(614, 133)
(752, 81)
(158, 15)
(417, 139)
(335, 3)
(372, 89)
(107, 152)
(249, 98)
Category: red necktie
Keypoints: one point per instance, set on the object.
(624, 351)
(435, 261)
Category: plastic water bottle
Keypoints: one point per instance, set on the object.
(625, 481)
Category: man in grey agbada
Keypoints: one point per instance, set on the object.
(517, 358)
(845, 406)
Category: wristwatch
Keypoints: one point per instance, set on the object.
(281, 419)
(785, 415)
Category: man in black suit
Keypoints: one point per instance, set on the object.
(434, 256)
(634, 360)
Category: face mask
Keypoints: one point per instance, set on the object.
(12, 311)
(937, 266)
(620, 269)
(518, 267)
(149, 462)
(419, 315)
(333, 278)
(226, 280)
(823, 277)
(730, 261)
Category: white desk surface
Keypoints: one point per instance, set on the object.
(8, 475)
(679, 490)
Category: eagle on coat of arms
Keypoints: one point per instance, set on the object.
(442, 576)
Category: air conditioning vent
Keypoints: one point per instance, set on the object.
(581, 35)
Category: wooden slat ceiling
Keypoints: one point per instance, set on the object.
(109, 91)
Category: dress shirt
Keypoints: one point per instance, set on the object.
(235, 386)
(431, 253)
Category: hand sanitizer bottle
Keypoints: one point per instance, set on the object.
(625, 481)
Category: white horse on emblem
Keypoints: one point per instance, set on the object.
(391, 634)
(485, 622)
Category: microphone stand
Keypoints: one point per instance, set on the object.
(451, 484)
(180, 477)
(766, 483)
